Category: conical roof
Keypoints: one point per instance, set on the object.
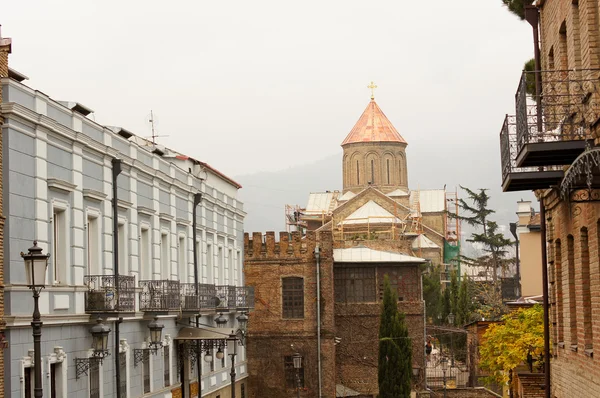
(373, 126)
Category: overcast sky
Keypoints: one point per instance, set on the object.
(262, 85)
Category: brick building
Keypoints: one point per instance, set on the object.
(5, 48)
(373, 227)
(550, 146)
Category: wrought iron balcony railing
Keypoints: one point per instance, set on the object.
(569, 104)
(522, 178)
(244, 297)
(109, 293)
(160, 295)
(226, 295)
(205, 299)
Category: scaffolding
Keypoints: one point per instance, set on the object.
(452, 234)
(417, 220)
(293, 222)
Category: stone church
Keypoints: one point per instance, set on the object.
(319, 289)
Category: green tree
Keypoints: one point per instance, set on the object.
(432, 293)
(453, 292)
(530, 77)
(517, 7)
(520, 338)
(464, 305)
(395, 348)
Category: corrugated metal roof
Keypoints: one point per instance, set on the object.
(361, 254)
(371, 213)
(319, 202)
(431, 200)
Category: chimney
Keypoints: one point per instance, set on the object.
(524, 212)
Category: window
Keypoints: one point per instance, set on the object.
(209, 264)
(293, 297)
(122, 235)
(357, 174)
(165, 256)
(290, 373)
(388, 170)
(203, 274)
(372, 171)
(123, 369)
(53, 378)
(94, 378)
(229, 272)
(212, 363)
(28, 382)
(572, 296)
(243, 390)
(220, 266)
(354, 285)
(182, 260)
(167, 364)
(562, 46)
(145, 263)
(146, 370)
(559, 290)
(588, 334)
(93, 246)
(60, 246)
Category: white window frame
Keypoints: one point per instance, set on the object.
(27, 363)
(124, 347)
(165, 255)
(182, 264)
(220, 279)
(210, 262)
(96, 216)
(146, 253)
(100, 376)
(124, 266)
(167, 342)
(59, 356)
(201, 264)
(61, 251)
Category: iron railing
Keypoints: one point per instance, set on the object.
(204, 300)
(109, 293)
(568, 104)
(244, 297)
(160, 295)
(226, 295)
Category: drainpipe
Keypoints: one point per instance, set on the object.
(116, 170)
(197, 200)
(546, 299)
(318, 258)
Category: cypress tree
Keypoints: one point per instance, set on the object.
(395, 349)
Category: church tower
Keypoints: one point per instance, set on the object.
(374, 153)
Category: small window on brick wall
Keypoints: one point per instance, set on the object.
(354, 285)
(290, 373)
(588, 334)
(293, 297)
(558, 268)
(572, 294)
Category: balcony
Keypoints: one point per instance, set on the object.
(568, 108)
(205, 299)
(109, 293)
(244, 297)
(226, 296)
(522, 178)
(160, 296)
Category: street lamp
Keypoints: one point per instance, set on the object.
(297, 358)
(155, 334)
(242, 321)
(232, 351)
(100, 340)
(36, 265)
(444, 364)
(221, 321)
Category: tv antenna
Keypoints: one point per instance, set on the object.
(153, 122)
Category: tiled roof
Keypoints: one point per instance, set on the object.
(373, 126)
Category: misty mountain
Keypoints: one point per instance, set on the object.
(265, 193)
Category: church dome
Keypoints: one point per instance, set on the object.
(373, 126)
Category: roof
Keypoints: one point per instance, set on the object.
(361, 254)
(431, 200)
(398, 192)
(342, 391)
(423, 242)
(371, 213)
(373, 126)
(319, 202)
(347, 196)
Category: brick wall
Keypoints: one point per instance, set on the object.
(528, 385)
(5, 48)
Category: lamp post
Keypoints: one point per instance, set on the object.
(36, 264)
(221, 321)
(100, 339)
(232, 351)
(444, 364)
(451, 322)
(297, 358)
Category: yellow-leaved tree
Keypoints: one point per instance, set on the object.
(519, 339)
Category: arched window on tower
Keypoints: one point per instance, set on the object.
(372, 172)
(357, 174)
(388, 171)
